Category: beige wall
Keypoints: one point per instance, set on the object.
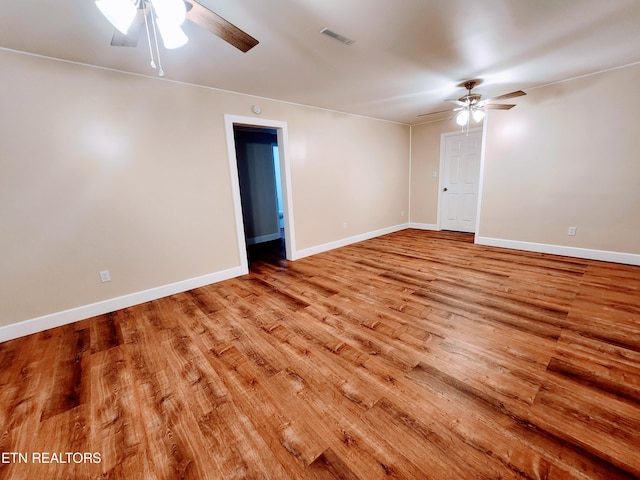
(567, 155)
(347, 170)
(425, 159)
(104, 170)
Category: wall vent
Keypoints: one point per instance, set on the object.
(337, 36)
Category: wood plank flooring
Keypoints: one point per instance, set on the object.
(415, 355)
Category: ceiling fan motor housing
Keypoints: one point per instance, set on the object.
(470, 98)
(472, 103)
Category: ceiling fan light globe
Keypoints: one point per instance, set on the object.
(478, 115)
(119, 12)
(174, 11)
(172, 35)
(463, 117)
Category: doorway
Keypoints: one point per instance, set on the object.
(261, 188)
(257, 157)
(460, 155)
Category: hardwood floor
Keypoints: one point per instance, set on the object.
(416, 355)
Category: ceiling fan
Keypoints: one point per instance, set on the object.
(162, 18)
(471, 105)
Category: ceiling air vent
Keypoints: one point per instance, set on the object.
(337, 36)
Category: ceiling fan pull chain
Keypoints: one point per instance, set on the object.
(146, 25)
(155, 38)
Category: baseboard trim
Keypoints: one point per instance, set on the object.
(590, 254)
(424, 226)
(325, 247)
(39, 324)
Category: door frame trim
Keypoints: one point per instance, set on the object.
(443, 146)
(285, 175)
(483, 147)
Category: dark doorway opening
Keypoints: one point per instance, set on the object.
(258, 163)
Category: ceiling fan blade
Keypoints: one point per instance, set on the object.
(217, 25)
(517, 93)
(498, 106)
(433, 113)
(455, 100)
(130, 39)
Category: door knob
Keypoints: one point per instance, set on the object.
(445, 189)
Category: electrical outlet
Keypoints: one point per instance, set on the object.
(572, 231)
(345, 225)
(105, 276)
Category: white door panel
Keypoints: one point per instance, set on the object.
(461, 173)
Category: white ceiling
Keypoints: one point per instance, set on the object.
(408, 55)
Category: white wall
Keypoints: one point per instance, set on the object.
(105, 170)
(567, 155)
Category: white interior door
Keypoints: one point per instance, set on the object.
(460, 175)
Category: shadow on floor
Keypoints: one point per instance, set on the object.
(272, 252)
